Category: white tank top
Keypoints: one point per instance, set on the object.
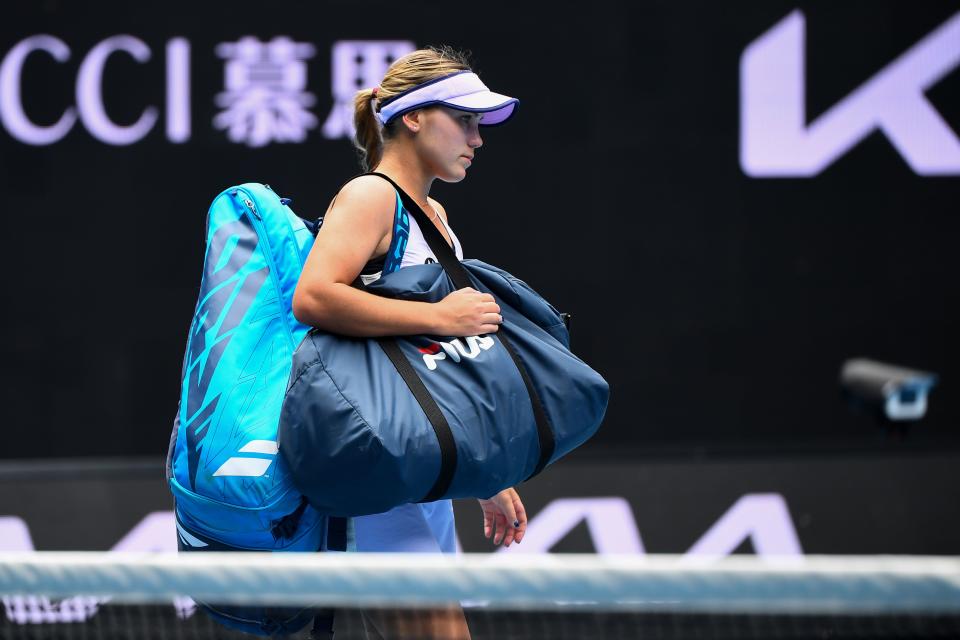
(416, 251)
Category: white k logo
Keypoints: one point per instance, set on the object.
(775, 140)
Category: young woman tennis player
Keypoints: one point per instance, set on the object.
(421, 124)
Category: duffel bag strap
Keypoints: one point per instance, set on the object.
(448, 446)
(461, 279)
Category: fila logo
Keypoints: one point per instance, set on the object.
(777, 141)
(250, 467)
(455, 350)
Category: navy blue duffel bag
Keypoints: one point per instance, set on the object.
(368, 424)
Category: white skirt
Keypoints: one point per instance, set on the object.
(409, 528)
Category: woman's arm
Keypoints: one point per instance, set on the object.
(356, 227)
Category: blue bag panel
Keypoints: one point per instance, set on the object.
(478, 388)
(542, 342)
(289, 245)
(353, 452)
(357, 441)
(260, 621)
(224, 468)
(323, 420)
(257, 620)
(427, 282)
(251, 528)
(530, 319)
(195, 535)
(521, 297)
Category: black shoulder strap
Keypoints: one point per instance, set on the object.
(445, 255)
(461, 279)
(448, 446)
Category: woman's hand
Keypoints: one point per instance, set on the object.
(504, 517)
(467, 312)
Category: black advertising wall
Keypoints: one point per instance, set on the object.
(731, 199)
(775, 506)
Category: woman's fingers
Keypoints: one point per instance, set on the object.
(509, 514)
(521, 517)
(509, 535)
(501, 529)
(504, 518)
(515, 522)
(468, 312)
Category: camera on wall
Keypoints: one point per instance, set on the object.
(898, 393)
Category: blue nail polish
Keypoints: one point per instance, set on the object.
(516, 523)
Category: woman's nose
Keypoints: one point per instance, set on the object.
(475, 140)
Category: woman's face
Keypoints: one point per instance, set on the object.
(447, 139)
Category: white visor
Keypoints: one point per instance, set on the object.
(462, 90)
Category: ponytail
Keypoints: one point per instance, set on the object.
(368, 140)
(405, 73)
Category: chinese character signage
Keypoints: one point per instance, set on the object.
(264, 99)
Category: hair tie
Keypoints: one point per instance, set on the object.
(375, 90)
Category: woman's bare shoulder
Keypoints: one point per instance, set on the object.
(366, 192)
(368, 201)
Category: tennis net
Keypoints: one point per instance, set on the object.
(118, 595)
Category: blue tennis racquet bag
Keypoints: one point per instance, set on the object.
(368, 424)
(232, 490)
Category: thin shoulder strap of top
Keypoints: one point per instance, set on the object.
(445, 255)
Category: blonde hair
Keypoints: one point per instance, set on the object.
(405, 73)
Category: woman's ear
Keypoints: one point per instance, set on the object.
(411, 120)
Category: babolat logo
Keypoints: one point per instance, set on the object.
(455, 349)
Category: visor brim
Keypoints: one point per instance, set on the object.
(495, 107)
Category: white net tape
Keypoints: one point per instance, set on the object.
(738, 584)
